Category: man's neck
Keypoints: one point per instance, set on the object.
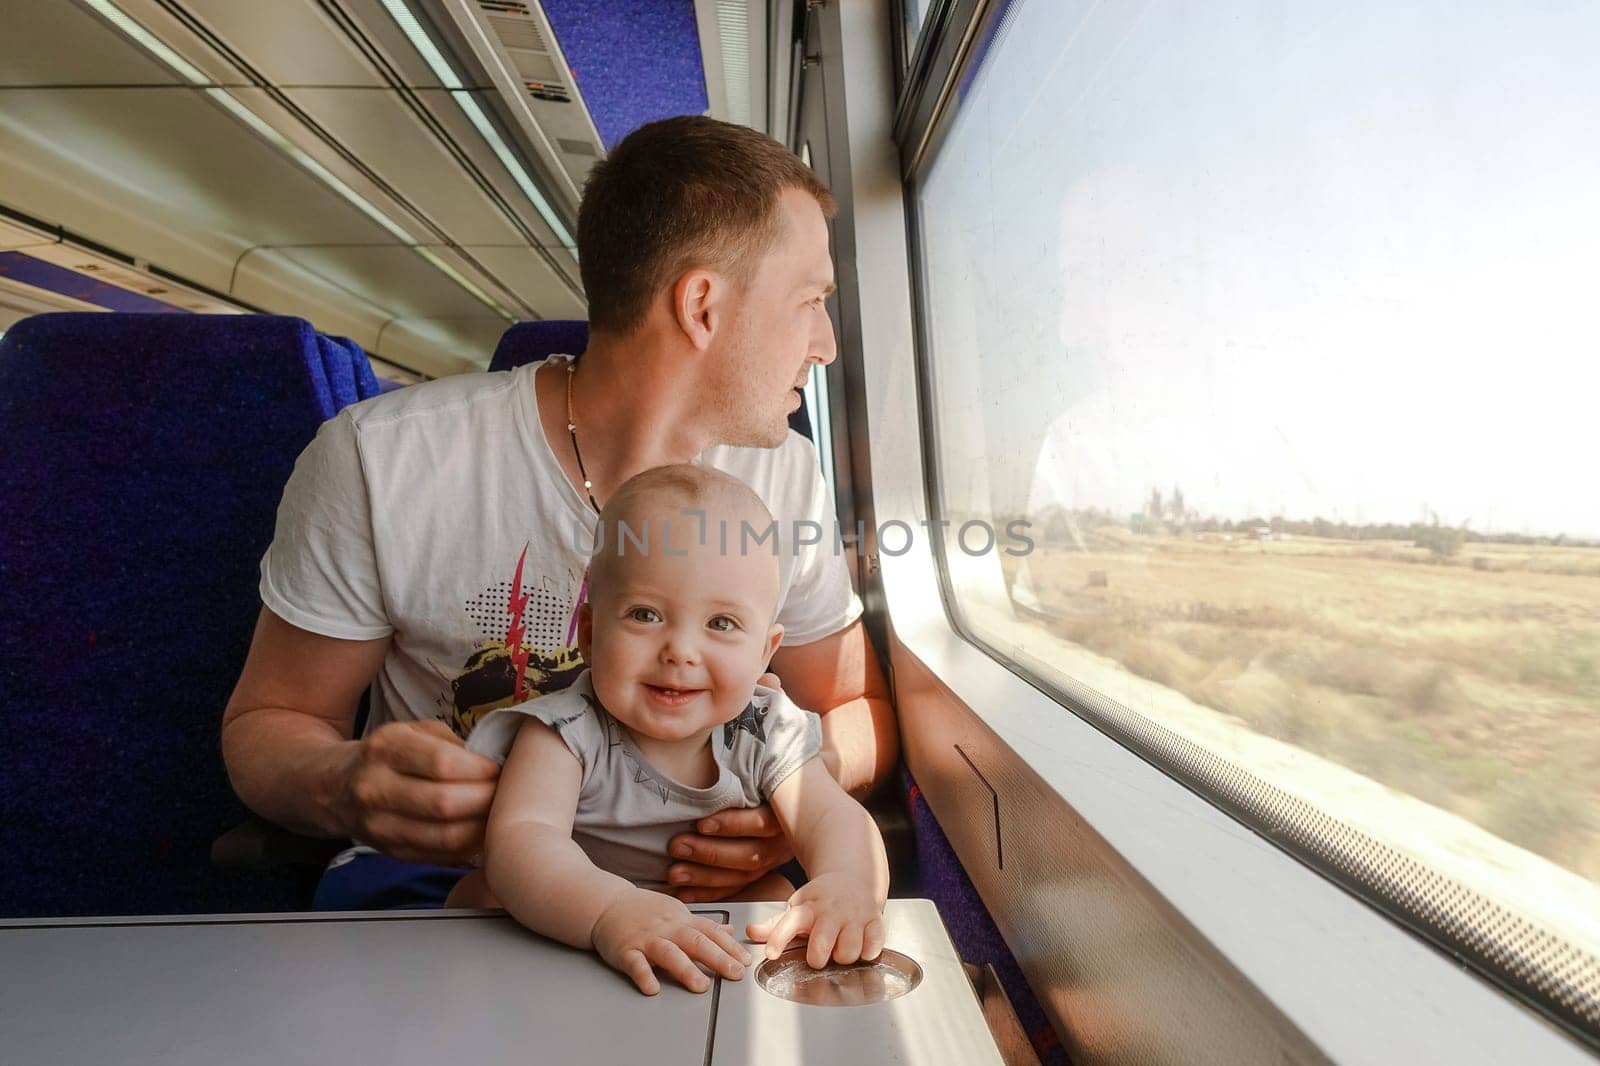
(632, 411)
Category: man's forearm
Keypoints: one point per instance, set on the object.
(288, 768)
(863, 735)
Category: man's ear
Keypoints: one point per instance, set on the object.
(774, 638)
(698, 305)
(585, 630)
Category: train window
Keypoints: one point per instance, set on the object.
(1272, 327)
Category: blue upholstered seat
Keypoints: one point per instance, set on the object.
(348, 370)
(529, 342)
(142, 461)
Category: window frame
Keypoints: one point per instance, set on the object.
(1299, 957)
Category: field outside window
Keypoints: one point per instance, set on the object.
(1275, 322)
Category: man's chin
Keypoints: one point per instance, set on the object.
(763, 435)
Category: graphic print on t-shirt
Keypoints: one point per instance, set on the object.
(528, 647)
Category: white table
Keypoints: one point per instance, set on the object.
(432, 988)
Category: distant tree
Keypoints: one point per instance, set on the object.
(1175, 507)
(1442, 542)
(1153, 508)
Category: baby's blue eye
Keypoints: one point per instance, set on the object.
(723, 624)
(644, 614)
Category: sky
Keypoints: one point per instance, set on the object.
(1294, 258)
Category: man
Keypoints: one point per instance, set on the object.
(430, 541)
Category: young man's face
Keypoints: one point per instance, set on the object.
(675, 642)
(781, 328)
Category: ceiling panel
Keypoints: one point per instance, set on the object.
(395, 278)
(49, 42)
(472, 339)
(380, 129)
(525, 272)
(182, 156)
(290, 42)
(461, 130)
(16, 236)
(380, 28)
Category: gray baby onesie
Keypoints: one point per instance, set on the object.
(627, 809)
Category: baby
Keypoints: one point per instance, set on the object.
(667, 726)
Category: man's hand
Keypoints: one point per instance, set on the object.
(413, 790)
(731, 849)
(842, 918)
(643, 930)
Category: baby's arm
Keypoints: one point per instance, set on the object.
(841, 907)
(540, 874)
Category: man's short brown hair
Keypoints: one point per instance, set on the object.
(676, 194)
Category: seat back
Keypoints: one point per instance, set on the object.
(143, 462)
(348, 370)
(530, 342)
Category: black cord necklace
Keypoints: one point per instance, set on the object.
(572, 431)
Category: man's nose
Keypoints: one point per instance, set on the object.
(823, 349)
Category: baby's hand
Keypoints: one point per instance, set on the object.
(646, 929)
(843, 918)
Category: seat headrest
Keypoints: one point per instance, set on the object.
(530, 342)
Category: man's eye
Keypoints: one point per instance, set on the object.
(723, 624)
(644, 614)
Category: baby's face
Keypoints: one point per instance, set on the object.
(675, 643)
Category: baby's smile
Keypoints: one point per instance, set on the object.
(671, 697)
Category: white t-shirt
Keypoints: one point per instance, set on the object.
(438, 513)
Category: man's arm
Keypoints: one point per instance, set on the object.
(839, 678)
(411, 789)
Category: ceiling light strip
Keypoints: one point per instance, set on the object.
(234, 107)
(412, 28)
(150, 42)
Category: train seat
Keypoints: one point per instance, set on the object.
(144, 458)
(528, 342)
(348, 370)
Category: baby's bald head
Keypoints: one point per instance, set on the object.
(662, 508)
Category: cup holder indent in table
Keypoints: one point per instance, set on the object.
(889, 976)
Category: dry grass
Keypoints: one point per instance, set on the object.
(1473, 686)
